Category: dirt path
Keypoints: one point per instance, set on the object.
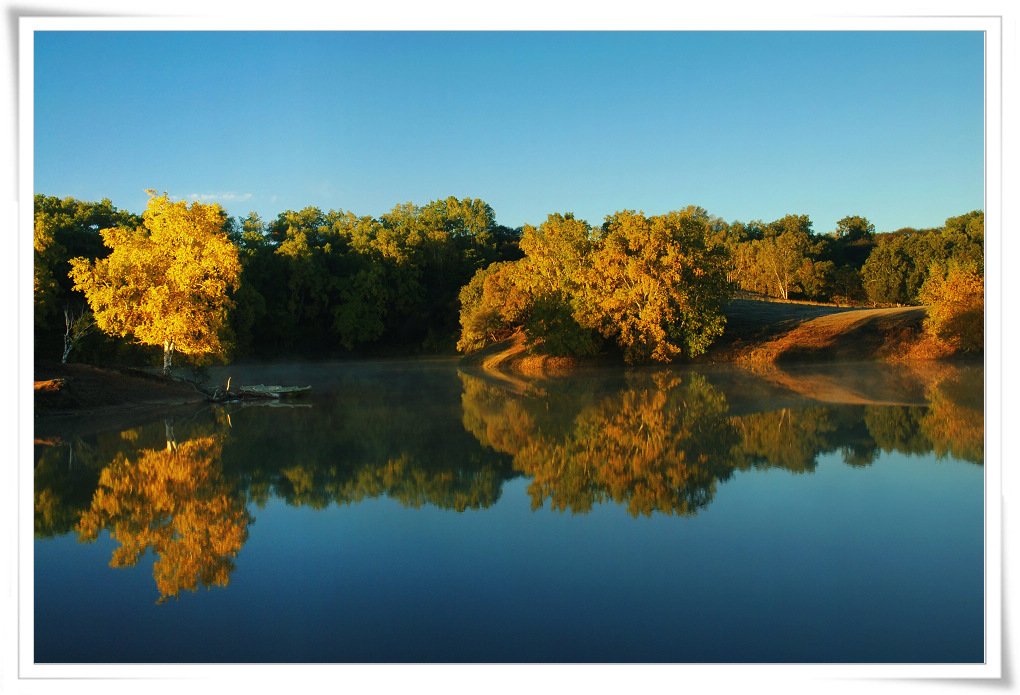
(761, 331)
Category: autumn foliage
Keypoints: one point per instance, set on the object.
(424, 278)
(956, 308)
(175, 502)
(164, 283)
(655, 287)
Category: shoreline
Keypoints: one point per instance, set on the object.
(758, 334)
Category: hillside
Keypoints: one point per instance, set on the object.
(764, 331)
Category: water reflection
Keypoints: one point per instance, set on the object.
(653, 442)
(661, 441)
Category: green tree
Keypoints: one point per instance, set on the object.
(442, 244)
(853, 228)
(963, 241)
(779, 258)
(901, 261)
(845, 287)
(887, 274)
(327, 282)
(65, 228)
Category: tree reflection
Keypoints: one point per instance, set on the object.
(660, 442)
(658, 445)
(654, 442)
(65, 474)
(898, 429)
(955, 421)
(387, 437)
(789, 438)
(176, 502)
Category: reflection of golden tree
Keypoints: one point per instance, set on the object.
(176, 502)
(955, 421)
(658, 445)
(494, 419)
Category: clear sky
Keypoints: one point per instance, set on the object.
(748, 125)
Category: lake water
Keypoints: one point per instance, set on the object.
(415, 512)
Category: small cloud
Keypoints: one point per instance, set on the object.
(229, 197)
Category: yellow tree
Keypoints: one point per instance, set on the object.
(493, 305)
(956, 307)
(166, 282)
(657, 285)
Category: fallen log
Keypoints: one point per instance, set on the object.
(259, 392)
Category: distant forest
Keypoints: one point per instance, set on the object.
(319, 285)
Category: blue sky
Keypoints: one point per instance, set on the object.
(749, 125)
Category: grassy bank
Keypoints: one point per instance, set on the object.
(763, 332)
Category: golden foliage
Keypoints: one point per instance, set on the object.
(164, 283)
(662, 441)
(955, 421)
(175, 502)
(657, 446)
(956, 308)
(493, 303)
(655, 285)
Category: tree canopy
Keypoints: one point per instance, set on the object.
(655, 287)
(164, 283)
(445, 275)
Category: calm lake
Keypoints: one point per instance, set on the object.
(418, 512)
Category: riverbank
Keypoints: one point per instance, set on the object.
(757, 332)
(65, 391)
(762, 332)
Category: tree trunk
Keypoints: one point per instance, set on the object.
(76, 326)
(68, 322)
(168, 355)
(171, 440)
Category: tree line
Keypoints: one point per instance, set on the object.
(308, 283)
(444, 276)
(852, 265)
